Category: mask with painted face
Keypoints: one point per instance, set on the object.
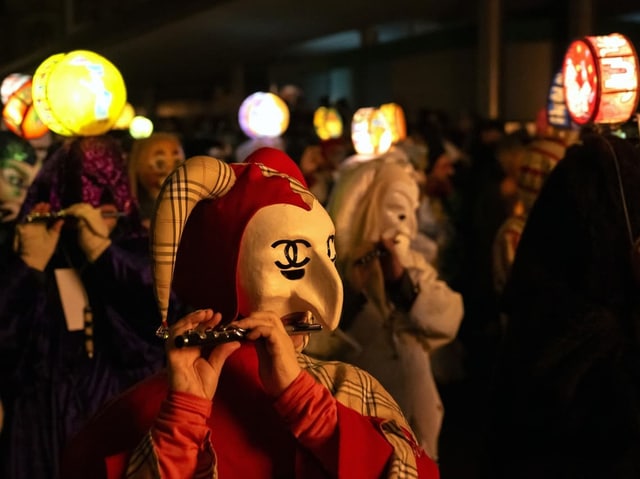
(150, 162)
(18, 168)
(251, 237)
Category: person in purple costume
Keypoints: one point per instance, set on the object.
(77, 308)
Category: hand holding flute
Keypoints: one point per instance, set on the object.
(37, 236)
(191, 372)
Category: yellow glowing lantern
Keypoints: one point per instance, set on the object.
(397, 121)
(327, 123)
(601, 79)
(78, 93)
(124, 120)
(370, 132)
(20, 116)
(263, 115)
(10, 84)
(140, 127)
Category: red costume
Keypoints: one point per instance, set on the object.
(333, 420)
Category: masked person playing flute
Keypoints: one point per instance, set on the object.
(246, 245)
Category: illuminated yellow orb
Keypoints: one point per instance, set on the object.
(140, 127)
(80, 93)
(327, 123)
(124, 120)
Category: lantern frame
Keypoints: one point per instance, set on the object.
(594, 52)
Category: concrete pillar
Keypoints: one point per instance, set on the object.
(581, 17)
(489, 58)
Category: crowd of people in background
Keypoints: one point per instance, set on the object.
(506, 275)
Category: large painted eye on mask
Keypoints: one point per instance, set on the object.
(295, 257)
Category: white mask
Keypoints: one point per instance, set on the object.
(398, 210)
(286, 264)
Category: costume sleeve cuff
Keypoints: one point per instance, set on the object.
(309, 410)
(183, 419)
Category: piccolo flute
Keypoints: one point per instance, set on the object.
(56, 215)
(228, 333)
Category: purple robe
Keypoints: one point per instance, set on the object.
(47, 378)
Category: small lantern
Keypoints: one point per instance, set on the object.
(263, 115)
(10, 84)
(396, 120)
(124, 120)
(370, 132)
(78, 93)
(601, 79)
(140, 127)
(557, 111)
(20, 116)
(327, 123)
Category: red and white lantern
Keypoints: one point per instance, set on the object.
(601, 79)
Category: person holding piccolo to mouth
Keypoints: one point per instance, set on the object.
(252, 251)
(77, 306)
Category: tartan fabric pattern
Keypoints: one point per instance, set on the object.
(198, 178)
(352, 387)
(540, 159)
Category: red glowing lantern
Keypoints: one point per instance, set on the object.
(601, 79)
(10, 84)
(19, 114)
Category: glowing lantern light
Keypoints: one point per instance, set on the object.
(370, 132)
(124, 120)
(263, 115)
(397, 121)
(140, 127)
(557, 111)
(601, 79)
(20, 116)
(10, 84)
(78, 93)
(327, 123)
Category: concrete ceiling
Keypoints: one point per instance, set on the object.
(164, 43)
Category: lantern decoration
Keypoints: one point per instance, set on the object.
(78, 93)
(140, 127)
(263, 115)
(19, 114)
(10, 84)
(370, 132)
(396, 120)
(124, 120)
(557, 113)
(601, 79)
(327, 123)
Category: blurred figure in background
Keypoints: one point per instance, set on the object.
(538, 160)
(397, 311)
(77, 317)
(566, 402)
(150, 161)
(18, 167)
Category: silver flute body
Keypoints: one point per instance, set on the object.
(56, 215)
(226, 334)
